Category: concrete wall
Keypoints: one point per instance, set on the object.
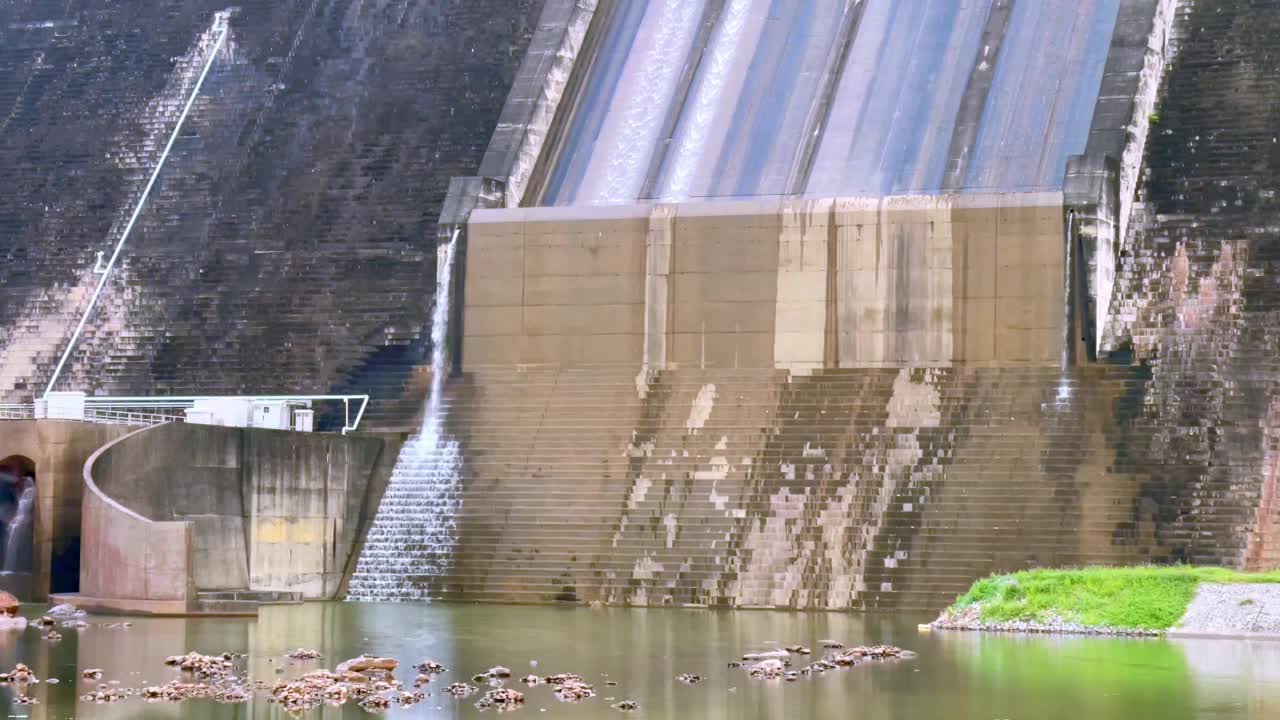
(267, 510)
(798, 284)
(142, 563)
(59, 449)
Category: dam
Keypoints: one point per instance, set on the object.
(747, 303)
(695, 353)
(808, 310)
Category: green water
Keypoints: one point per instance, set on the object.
(955, 676)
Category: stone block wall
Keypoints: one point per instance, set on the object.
(1195, 294)
(287, 244)
(859, 488)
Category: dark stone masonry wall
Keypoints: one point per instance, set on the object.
(288, 243)
(1198, 291)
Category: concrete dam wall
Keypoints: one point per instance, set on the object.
(801, 284)
(286, 246)
(932, 350)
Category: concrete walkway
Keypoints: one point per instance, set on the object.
(1241, 611)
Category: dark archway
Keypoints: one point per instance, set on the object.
(17, 524)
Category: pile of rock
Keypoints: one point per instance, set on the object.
(21, 678)
(501, 699)
(773, 664)
(205, 667)
(573, 689)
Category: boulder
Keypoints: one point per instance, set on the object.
(367, 663)
(770, 655)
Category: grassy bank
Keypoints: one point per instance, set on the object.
(1140, 598)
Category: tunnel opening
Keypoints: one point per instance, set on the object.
(17, 525)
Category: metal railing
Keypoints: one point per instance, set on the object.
(17, 411)
(144, 410)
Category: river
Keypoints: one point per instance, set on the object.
(956, 676)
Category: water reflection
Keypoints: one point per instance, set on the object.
(956, 676)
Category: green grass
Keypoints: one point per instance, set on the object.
(1148, 598)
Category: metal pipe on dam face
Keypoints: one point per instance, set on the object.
(929, 96)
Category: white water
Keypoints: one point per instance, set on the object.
(18, 533)
(691, 141)
(406, 545)
(620, 162)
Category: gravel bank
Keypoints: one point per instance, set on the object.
(1233, 610)
(968, 620)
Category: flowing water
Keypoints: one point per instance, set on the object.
(956, 676)
(405, 546)
(17, 535)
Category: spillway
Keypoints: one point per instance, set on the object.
(830, 98)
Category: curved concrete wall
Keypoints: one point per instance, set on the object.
(128, 557)
(263, 510)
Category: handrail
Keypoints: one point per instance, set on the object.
(113, 408)
(221, 27)
(186, 401)
(17, 411)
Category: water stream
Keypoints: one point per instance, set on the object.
(17, 537)
(405, 546)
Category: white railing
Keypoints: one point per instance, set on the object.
(17, 411)
(153, 410)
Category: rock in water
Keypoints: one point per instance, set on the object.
(768, 669)
(366, 663)
(430, 667)
(504, 699)
(65, 611)
(460, 689)
(9, 622)
(770, 655)
(9, 605)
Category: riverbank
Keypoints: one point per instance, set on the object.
(1116, 601)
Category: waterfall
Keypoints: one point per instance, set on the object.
(17, 533)
(405, 546)
(440, 334)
